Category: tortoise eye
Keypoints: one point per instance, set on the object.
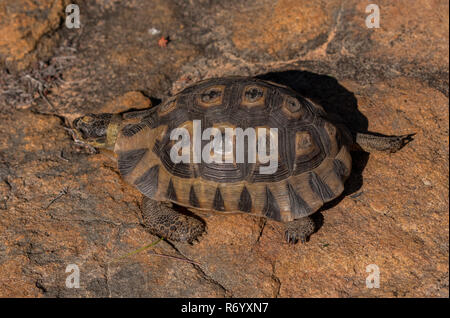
(293, 105)
(253, 94)
(165, 107)
(87, 119)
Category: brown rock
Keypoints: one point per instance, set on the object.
(60, 205)
(118, 55)
(130, 100)
(283, 27)
(406, 28)
(27, 29)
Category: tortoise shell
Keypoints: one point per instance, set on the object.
(313, 161)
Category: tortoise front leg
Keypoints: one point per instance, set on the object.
(164, 221)
(299, 230)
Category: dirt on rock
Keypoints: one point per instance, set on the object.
(62, 204)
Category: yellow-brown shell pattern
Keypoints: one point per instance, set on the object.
(313, 162)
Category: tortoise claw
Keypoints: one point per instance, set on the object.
(299, 230)
(401, 141)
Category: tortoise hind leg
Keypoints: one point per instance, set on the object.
(168, 223)
(374, 142)
(299, 230)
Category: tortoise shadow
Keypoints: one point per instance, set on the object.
(325, 91)
(338, 101)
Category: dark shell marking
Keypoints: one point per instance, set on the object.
(312, 165)
(148, 182)
(193, 201)
(218, 201)
(171, 195)
(320, 188)
(271, 208)
(298, 206)
(245, 201)
(127, 160)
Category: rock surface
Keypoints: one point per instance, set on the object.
(28, 30)
(61, 204)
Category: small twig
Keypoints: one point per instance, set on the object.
(154, 253)
(72, 82)
(355, 195)
(69, 48)
(175, 257)
(46, 99)
(60, 156)
(79, 142)
(40, 89)
(35, 82)
(138, 250)
(63, 57)
(61, 193)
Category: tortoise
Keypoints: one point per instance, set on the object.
(313, 157)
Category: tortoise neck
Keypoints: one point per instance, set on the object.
(112, 131)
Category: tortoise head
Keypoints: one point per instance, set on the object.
(97, 130)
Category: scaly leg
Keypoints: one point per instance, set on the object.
(170, 224)
(372, 142)
(299, 230)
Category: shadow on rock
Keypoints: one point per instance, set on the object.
(325, 91)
